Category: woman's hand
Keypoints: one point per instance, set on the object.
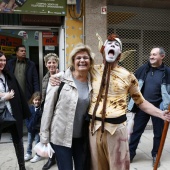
(9, 95)
(54, 80)
(2, 6)
(8, 7)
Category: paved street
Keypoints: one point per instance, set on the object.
(8, 159)
(142, 161)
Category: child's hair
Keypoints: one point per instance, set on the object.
(35, 94)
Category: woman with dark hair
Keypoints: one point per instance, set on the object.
(17, 105)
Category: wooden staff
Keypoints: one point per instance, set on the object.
(164, 133)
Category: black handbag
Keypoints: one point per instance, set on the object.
(6, 119)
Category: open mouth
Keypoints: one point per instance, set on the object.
(111, 53)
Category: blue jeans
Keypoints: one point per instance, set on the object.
(65, 156)
(31, 137)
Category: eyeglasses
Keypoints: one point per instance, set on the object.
(82, 57)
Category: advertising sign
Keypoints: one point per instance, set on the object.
(49, 39)
(39, 7)
(10, 41)
(8, 44)
(7, 50)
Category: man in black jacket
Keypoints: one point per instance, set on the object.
(153, 80)
(25, 71)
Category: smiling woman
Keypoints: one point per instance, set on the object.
(63, 120)
(51, 62)
(81, 66)
(14, 100)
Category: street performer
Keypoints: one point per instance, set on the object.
(111, 85)
(107, 131)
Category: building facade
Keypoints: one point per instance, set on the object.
(140, 25)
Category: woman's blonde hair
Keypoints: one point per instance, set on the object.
(81, 48)
(51, 56)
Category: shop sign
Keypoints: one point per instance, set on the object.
(39, 7)
(50, 48)
(8, 44)
(9, 41)
(49, 39)
(7, 50)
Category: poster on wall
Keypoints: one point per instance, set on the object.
(49, 38)
(8, 44)
(39, 7)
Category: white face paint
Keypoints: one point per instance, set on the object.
(112, 50)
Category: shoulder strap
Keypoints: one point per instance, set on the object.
(59, 89)
(4, 84)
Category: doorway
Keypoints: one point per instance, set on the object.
(34, 56)
(38, 42)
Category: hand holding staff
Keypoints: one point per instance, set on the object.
(164, 133)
